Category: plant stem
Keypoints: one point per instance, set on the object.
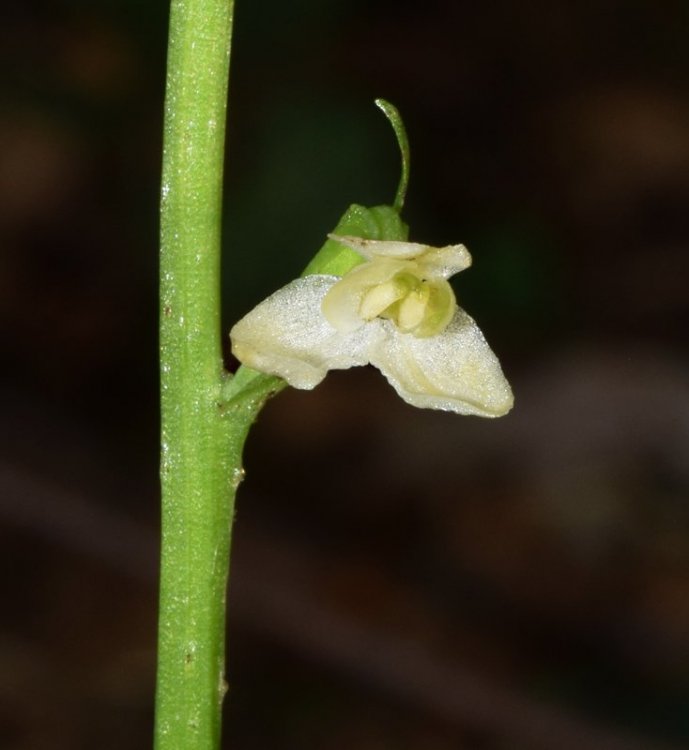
(206, 414)
(201, 446)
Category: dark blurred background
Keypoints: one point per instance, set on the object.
(401, 579)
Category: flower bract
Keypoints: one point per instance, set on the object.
(397, 311)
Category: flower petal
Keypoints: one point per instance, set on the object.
(287, 335)
(453, 371)
(434, 262)
(444, 262)
(342, 305)
(371, 249)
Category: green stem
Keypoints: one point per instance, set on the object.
(202, 442)
(206, 414)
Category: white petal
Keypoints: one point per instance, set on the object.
(434, 262)
(454, 371)
(342, 304)
(444, 261)
(381, 248)
(287, 335)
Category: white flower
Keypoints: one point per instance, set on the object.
(396, 311)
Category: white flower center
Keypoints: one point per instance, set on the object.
(394, 290)
(415, 305)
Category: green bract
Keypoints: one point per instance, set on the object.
(393, 309)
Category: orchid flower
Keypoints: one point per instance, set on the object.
(396, 311)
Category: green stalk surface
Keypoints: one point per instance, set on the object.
(202, 434)
(206, 413)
